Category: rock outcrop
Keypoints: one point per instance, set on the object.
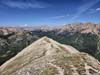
(48, 57)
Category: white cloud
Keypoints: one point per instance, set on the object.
(85, 7)
(24, 5)
(59, 17)
(25, 25)
(93, 10)
(98, 9)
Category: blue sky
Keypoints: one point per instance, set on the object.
(48, 12)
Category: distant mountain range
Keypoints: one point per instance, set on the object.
(75, 27)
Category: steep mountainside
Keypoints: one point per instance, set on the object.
(48, 57)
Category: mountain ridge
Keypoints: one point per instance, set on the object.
(48, 57)
(83, 36)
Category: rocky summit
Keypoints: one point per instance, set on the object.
(48, 57)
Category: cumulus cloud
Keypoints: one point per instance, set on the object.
(24, 4)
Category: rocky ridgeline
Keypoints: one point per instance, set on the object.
(48, 57)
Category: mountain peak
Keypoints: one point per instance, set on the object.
(45, 38)
(48, 57)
